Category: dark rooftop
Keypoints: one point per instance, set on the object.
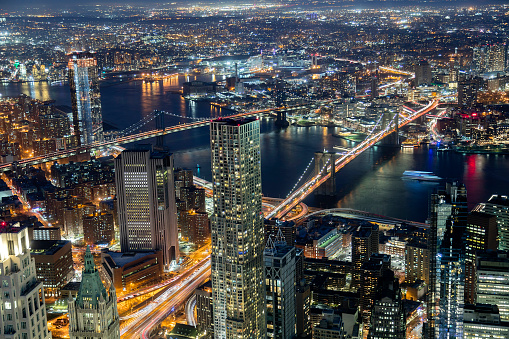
(71, 286)
(121, 259)
(47, 247)
(499, 200)
(234, 122)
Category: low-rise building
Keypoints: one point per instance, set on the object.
(130, 270)
(54, 265)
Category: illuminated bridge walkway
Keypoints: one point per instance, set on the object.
(309, 186)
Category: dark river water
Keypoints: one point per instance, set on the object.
(372, 182)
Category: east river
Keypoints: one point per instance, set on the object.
(372, 182)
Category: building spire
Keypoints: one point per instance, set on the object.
(89, 261)
(280, 238)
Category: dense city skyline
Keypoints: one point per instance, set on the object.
(231, 170)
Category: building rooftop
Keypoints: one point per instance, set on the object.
(234, 122)
(7, 227)
(71, 286)
(121, 259)
(47, 247)
(499, 200)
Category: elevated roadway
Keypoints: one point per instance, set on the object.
(308, 187)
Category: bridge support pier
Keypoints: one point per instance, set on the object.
(322, 161)
(281, 120)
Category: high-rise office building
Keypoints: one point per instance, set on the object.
(365, 241)
(280, 288)
(204, 311)
(498, 205)
(496, 58)
(146, 202)
(416, 262)
(238, 271)
(93, 314)
(492, 286)
(53, 261)
(444, 204)
(371, 272)
(303, 305)
(480, 59)
(387, 314)
(422, 73)
(85, 97)
(489, 58)
(452, 256)
(467, 91)
(483, 321)
(481, 234)
(23, 311)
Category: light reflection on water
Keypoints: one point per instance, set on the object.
(372, 182)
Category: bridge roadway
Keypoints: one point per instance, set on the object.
(308, 187)
(123, 140)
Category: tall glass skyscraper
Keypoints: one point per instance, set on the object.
(446, 244)
(238, 282)
(146, 202)
(85, 97)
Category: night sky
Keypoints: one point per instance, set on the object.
(6, 5)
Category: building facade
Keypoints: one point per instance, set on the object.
(280, 289)
(238, 272)
(498, 205)
(132, 270)
(492, 285)
(146, 203)
(387, 315)
(85, 97)
(93, 314)
(53, 261)
(23, 313)
(483, 321)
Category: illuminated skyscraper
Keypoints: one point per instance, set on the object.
(387, 314)
(447, 243)
(498, 205)
(365, 241)
(422, 73)
(280, 283)
(93, 314)
(23, 311)
(492, 284)
(481, 235)
(496, 58)
(146, 202)
(238, 279)
(85, 97)
(443, 205)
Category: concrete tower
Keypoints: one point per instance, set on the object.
(238, 279)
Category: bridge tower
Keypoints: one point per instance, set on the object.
(159, 126)
(322, 161)
(281, 120)
(393, 138)
(280, 103)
